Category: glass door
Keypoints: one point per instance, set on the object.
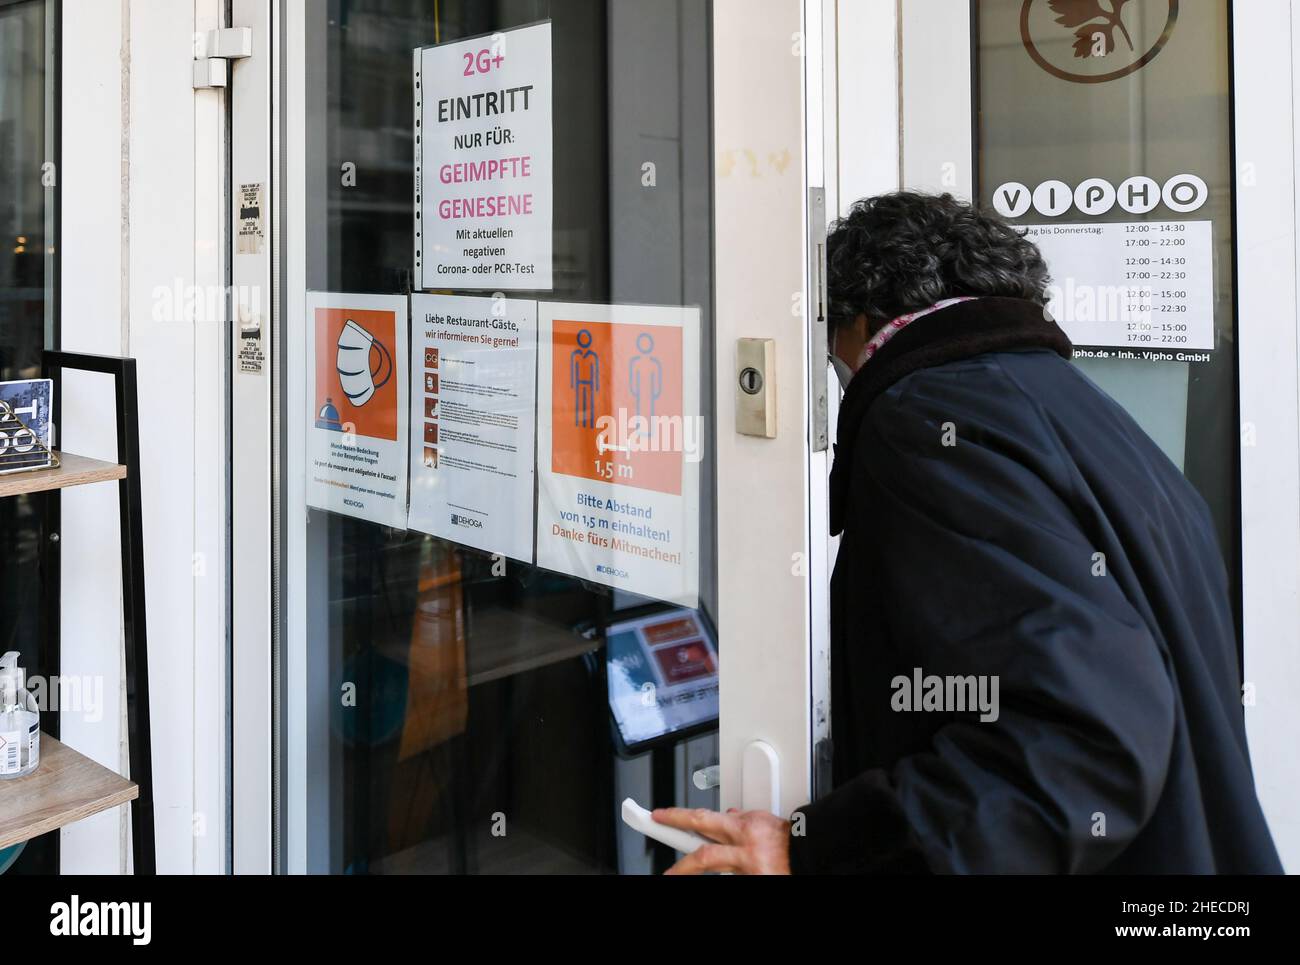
(543, 429)
(1107, 136)
(28, 324)
(1119, 163)
(1147, 147)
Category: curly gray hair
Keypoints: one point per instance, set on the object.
(901, 252)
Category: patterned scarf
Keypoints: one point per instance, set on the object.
(894, 326)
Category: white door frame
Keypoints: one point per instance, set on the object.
(1266, 38)
(305, 743)
(931, 63)
(251, 83)
(767, 563)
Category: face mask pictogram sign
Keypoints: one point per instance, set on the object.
(356, 451)
(364, 365)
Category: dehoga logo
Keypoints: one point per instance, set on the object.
(458, 520)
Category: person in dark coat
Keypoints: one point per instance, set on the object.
(1034, 662)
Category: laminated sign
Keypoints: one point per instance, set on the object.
(619, 443)
(483, 191)
(1136, 287)
(472, 410)
(356, 439)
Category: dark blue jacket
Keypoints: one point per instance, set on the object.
(1004, 519)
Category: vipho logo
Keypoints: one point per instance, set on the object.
(107, 918)
(1095, 196)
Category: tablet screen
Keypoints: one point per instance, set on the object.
(663, 674)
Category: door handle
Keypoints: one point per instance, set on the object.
(707, 778)
(760, 778)
(638, 819)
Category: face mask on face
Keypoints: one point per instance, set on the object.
(842, 371)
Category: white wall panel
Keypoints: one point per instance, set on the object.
(94, 258)
(142, 236)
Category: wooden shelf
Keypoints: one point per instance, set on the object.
(507, 642)
(65, 787)
(73, 470)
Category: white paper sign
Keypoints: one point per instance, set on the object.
(1138, 285)
(483, 190)
(473, 413)
(619, 443)
(356, 440)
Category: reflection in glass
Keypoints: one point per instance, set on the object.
(474, 731)
(1167, 113)
(27, 314)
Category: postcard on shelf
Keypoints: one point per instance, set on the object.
(25, 433)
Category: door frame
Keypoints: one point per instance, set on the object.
(769, 641)
(305, 725)
(769, 86)
(252, 465)
(1266, 36)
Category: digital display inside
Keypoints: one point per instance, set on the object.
(663, 674)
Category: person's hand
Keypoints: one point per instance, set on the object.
(748, 842)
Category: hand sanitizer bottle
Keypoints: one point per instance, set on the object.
(20, 721)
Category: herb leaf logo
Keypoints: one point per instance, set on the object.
(1105, 45)
(1094, 26)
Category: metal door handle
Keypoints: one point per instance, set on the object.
(707, 778)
